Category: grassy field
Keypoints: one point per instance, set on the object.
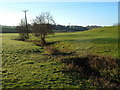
(97, 41)
(26, 65)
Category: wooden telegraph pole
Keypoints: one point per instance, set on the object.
(25, 17)
(27, 32)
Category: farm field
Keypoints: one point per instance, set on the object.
(26, 65)
(103, 41)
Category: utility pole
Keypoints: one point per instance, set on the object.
(25, 17)
(27, 31)
(69, 25)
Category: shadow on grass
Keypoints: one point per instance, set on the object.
(51, 43)
(96, 40)
(105, 40)
(94, 67)
(51, 50)
(77, 80)
(18, 39)
(72, 35)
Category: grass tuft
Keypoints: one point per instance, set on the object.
(101, 68)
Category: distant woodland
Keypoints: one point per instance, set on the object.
(57, 28)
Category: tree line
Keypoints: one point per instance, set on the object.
(74, 28)
(56, 28)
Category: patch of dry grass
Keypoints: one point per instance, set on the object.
(99, 68)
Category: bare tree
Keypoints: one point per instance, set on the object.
(23, 31)
(42, 26)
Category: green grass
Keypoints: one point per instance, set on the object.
(26, 65)
(103, 41)
(33, 69)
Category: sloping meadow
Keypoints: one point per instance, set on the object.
(25, 65)
(87, 59)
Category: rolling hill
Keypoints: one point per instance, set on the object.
(98, 41)
(26, 65)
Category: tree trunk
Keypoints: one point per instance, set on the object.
(43, 42)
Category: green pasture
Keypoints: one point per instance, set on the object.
(25, 65)
(103, 41)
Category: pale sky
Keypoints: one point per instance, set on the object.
(64, 13)
(59, 0)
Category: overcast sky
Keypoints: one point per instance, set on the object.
(64, 13)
